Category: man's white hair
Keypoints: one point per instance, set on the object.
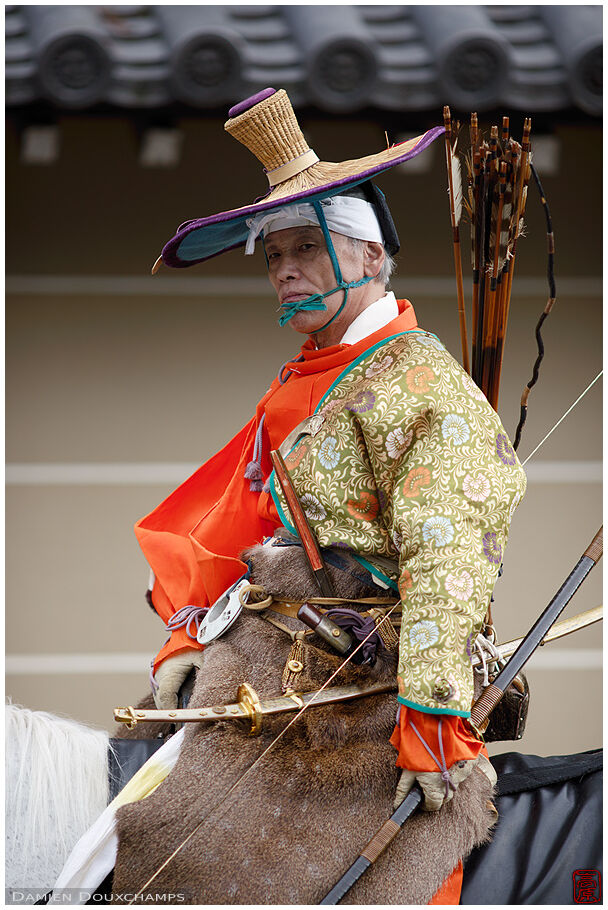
(388, 266)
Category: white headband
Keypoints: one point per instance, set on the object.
(344, 215)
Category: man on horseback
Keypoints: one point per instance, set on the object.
(409, 468)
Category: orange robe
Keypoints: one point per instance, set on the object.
(192, 540)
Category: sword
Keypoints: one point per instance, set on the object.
(482, 708)
(250, 707)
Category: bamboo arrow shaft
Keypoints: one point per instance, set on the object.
(449, 155)
(559, 630)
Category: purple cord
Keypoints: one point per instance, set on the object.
(253, 471)
(185, 617)
(283, 377)
(445, 774)
(360, 627)
(153, 684)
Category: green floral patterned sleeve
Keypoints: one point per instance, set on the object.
(411, 462)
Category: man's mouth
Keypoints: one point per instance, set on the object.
(292, 297)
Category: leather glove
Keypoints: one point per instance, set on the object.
(172, 673)
(433, 783)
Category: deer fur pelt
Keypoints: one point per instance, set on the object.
(298, 819)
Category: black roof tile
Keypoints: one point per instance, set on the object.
(336, 58)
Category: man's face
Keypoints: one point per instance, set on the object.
(299, 266)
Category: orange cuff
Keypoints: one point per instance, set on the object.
(458, 740)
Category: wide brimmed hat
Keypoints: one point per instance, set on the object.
(267, 126)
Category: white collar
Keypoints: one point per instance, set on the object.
(374, 317)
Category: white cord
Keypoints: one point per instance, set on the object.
(563, 417)
(483, 645)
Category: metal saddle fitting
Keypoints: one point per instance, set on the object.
(507, 721)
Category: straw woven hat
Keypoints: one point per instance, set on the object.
(267, 126)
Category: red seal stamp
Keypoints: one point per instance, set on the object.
(586, 886)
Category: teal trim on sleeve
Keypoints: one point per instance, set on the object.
(365, 354)
(375, 571)
(425, 710)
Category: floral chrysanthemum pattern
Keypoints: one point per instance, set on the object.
(476, 487)
(425, 474)
(416, 480)
(376, 368)
(438, 530)
(328, 454)
(398, 441)
(405, 583)
(459, 584)
(362, 402)
(366, 507)
(423, 634)
(313, 509)
(418, 379)
(430, 341)
(505, 450)
(492, 548)
(331, 406)
(455, 428)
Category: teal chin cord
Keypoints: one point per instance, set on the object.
(315, 301)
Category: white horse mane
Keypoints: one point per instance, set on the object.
(56, 786)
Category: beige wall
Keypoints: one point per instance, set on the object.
(104, 388)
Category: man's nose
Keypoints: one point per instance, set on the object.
(287, 267)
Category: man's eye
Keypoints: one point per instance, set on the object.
(306, 246)
(273, 255)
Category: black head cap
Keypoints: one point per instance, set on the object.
(370, 192)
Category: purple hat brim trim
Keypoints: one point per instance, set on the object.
(204, 238)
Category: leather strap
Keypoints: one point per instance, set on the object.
(290, 608)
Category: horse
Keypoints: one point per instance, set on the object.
(251, 822)
(56, 786)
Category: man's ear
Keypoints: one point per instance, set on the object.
(373, 258)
